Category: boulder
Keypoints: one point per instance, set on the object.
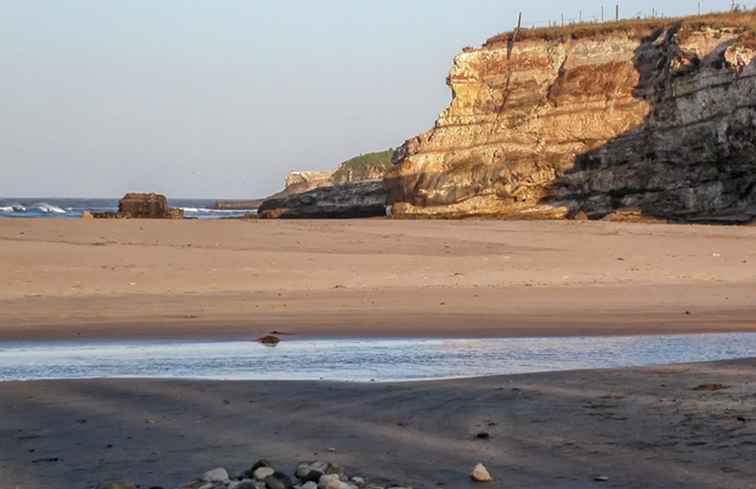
(147, 206)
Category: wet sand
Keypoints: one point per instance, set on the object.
(659, 427)
(238, 279)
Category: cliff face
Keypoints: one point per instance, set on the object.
(660, 122)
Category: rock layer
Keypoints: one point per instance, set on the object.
(659, 123)
(361, 199)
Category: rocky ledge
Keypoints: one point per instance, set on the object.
(655, 119)
(360, 199)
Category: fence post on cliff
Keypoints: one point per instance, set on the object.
(616, 12)
(517, 30)
(602, 13)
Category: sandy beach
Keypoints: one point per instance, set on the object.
(237, 279)
(640, 427)
(687, 426)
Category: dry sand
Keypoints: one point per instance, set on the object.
(642, 428)
(371, 277)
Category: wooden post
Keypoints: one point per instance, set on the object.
(519, 26)
(562, 20)
(699, 7)
(616, 12)
(602, 13)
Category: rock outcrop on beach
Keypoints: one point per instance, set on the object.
(142, 206)
(361, 199)
(655, 119)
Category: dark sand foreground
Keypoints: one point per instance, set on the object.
(371, 277)
(642, 428)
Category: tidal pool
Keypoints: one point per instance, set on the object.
(357, 359)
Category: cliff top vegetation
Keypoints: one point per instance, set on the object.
(744, 19)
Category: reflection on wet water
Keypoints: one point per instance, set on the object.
(363, 359)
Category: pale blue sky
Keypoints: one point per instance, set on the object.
(221, 98)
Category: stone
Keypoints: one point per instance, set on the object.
(627, 124)
(352, 200)
(243, 484)
(87, 215)
(359, 481)
(278, 480)
(269, 340)
(216, 475)
(332, 481)
(309, 485)
(313, 471)
(601, 478)
(262, 473)
(480, 474)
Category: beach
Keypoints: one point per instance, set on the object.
(660, 426)
(375, 277)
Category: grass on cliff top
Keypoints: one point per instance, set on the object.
(360, 167)
(636, 27)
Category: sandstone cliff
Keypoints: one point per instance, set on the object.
(653, 118)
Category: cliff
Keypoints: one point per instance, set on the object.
(654, 119)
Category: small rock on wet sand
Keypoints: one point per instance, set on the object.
(269, 340)
(481, 474)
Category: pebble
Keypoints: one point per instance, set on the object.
(309, 485)
(481, 474)
(262, 473)
(359, 481)
(278, 480)
(601, 478)
(215, 475)
(332, 481)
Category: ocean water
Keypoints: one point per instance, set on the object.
(357, 359)
(72, 208)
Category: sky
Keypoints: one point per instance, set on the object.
(221, 98)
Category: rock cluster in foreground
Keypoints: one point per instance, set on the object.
(262, 475)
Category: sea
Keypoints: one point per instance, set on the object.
(58, 208)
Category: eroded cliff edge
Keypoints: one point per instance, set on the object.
(658, 119)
